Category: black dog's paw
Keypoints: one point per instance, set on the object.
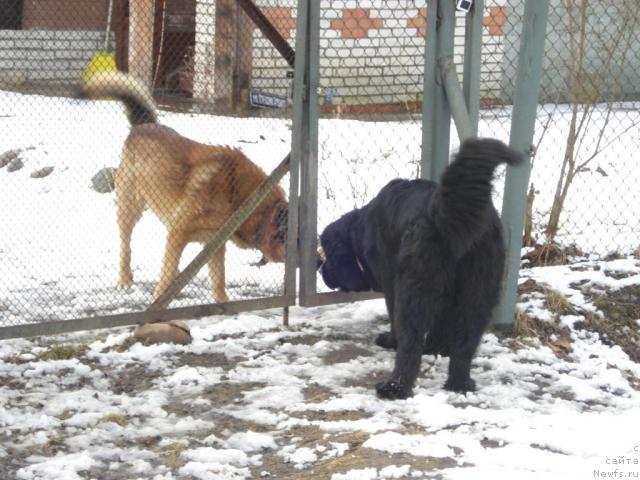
(393, 391)
(463, 386)
(386, 340)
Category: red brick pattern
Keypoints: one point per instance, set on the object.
(419, 22)
(495, 21)
(281, 18)
(356, 23)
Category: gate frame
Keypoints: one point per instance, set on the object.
(157, 311)
(444, 99)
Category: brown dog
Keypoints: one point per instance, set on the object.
(193, 188)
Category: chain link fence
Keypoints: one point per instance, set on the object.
(96, 212)
(221, 80)
(582, 200)
(583, 197)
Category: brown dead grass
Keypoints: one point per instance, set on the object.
(557, 303)
(550, 334)
(63, 352)
(356, 457)
(551, 254)
(618, 325)
(115, 418)
(173, 454)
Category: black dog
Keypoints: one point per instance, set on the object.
(437, 253)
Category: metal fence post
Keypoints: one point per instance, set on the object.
(429, 89)
(299, 139)
(523, 120)
(436, 129)
(308, 231)
(472, 63)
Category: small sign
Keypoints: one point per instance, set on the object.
(464, 5)
(266, 100)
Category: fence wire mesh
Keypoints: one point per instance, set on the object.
(92, 203)
(583, 195)
(582, 200)
(219, 80)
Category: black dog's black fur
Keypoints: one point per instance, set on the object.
(437, 253)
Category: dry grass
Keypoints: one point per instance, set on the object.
(115, 418)
(173, 455)
(618, 325)
(64, 352)
(551, 254)
(356, 457)
(557, 303)
(523, 325)
(126, 345)
(550, 334)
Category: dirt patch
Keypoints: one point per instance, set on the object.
(345, 354)
(302, 340)
(355, 458)
(208, 360)
(617, 275)
(227, 393)
(619, 325)
(369, 381)
(315, 393)
(131, 380)
(337, 416)
(529, 286)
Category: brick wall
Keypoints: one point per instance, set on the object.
(372, 51)
(45, 55)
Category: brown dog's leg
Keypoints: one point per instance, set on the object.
(129, 210)
(176, 241)
(216, 275)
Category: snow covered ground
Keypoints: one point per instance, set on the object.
(249, 399)
(59, 242)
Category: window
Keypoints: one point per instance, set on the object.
(10, 14)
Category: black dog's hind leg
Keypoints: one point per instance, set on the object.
(388, 339)
(462, 352)
(419, 302)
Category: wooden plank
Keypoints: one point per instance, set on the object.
(141, 28)
(121, 33)
(268, 30)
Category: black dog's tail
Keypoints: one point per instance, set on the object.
(462, 205)
(132, 92)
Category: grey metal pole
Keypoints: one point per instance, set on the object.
(442, 114)
(457, 103)
(525, 104)
(299, 140)
(473, 62)
(430, 90)
(309, 166)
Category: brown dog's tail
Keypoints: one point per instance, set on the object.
(128, 89)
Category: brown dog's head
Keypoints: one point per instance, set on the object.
(272, 235)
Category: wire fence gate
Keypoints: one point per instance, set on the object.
(367, 99)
